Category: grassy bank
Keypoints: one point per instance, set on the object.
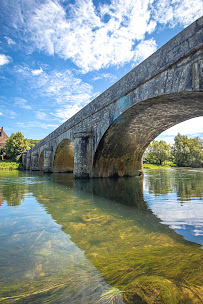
(163, 166)
(10, 165)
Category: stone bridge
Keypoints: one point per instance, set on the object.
(109, 135)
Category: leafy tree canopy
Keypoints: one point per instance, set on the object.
(157, 152)
(16, 145)
(188, 152)
(32, 142)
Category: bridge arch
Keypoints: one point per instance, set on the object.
(64, 156)
(120, 150)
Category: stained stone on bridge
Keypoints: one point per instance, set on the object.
(35, 162)
(24, 158)
(82, 154)
(48, 154)
(28, 161)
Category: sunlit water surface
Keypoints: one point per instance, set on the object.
(94, 241)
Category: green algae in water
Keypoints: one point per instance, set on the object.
(139, 260)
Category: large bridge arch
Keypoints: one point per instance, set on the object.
(120, 150)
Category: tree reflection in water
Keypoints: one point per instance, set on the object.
(187, 183)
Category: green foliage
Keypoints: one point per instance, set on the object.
(157, 152)
(166, 165)
(188, 152)
(16, 145)
(2, 153)
(32, 142)
(9, 165)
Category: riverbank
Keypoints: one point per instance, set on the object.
(10, 165)
(163, 166)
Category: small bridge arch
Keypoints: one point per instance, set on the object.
(64, 156)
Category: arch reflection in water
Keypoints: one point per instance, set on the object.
(143, 260)
(176, 196)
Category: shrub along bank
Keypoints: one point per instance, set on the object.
(10, 165)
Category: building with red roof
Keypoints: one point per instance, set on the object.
(3, 138)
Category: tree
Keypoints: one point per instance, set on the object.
(157, 152)
(188, 152)
(32, 142)
(2, 153)
(16, 145)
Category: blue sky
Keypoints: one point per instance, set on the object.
(58, 55)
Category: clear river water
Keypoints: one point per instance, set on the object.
(127, 240)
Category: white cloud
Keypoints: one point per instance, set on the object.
(192, 126)
(22, 103)
(96, 37)
(36, 124)
(4, 59)
(85, 37)
(1, 113)
(10, 41)
(144, 49)
(41, 115)
(175, 12)
(106, 76)
(63, 91)
(109, 35)
(37, 72)
(7, 112)
(66, 111)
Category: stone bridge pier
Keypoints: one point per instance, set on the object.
(109, 135)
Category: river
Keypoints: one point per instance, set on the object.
(127, 240)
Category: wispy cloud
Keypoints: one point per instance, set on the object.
(111, 34)
(22, 103)
(85, 37)
(192, 126)
(5, 59)
(7, 112)
(66, 93)
(106, 76)
(144, 49)
(10, 41)
(36, 124)
(175, 12)
(37, 72)
(41, 115)
(66, 111)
